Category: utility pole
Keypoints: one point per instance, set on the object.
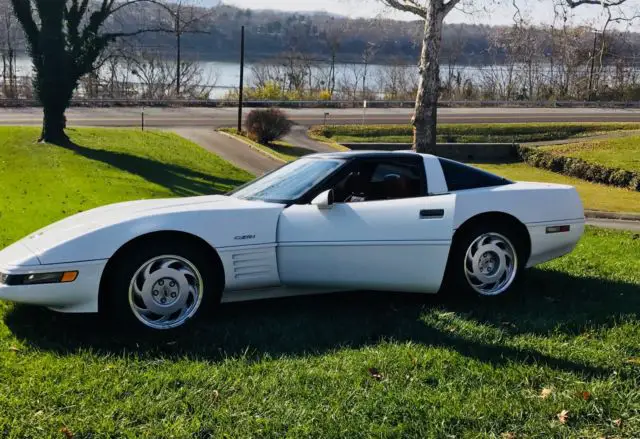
(593, 60)
(241, 88)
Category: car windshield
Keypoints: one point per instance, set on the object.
(289, 182)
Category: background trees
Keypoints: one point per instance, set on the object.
(65, 40)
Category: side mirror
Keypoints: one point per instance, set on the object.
(324, 200)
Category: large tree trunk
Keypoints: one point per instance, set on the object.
(426, 110)
(53, 125)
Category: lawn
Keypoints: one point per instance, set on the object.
(594, 196)
(280, 149)
(470, 133)
(349, 365)
(43, 183)
(623, 153)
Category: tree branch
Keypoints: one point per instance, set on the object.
(407, 6)
(22, 9)
(604, 3)
(448, 6)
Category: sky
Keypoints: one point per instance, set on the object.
(496, 12)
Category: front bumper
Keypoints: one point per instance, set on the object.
(79, 296)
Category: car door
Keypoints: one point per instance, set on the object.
(380, 242)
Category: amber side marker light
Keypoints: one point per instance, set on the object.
(558, 229)
(69, 276)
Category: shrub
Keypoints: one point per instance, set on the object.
(265, 126)
(575, 167)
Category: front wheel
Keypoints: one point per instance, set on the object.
(485, 261)
(161, 285)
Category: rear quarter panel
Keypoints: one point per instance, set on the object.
(537, 206)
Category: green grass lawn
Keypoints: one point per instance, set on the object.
(594, 196)
(469, 133)
(280, 149)
(347, 365)
(623, 153)
(43, 183)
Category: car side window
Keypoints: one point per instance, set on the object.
(374, 180)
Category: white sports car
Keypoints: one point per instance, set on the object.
(397, 221)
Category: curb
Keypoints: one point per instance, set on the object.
(599, 214)
(255, 148)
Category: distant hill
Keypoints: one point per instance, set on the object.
(318, 36)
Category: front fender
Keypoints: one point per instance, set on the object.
(220, 229)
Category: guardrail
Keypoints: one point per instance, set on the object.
(82, 102)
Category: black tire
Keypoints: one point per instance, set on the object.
(457, 279)
(117, 298)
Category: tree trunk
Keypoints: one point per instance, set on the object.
(426, 111)
(53, 125)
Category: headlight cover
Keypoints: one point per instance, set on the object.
(38, 278)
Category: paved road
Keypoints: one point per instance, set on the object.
(633, 226)
(230, 149)
(299, 137)
(219, 117)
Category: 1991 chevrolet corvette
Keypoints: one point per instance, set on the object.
(396, 221)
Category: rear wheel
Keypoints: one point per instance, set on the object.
(162, 284)
(485, 260)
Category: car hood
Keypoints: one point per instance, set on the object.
(135, 218)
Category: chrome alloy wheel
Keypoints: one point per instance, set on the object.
(165, 292)
(490, 264)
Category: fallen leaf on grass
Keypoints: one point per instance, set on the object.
(633, 360)
(585, 395)
(617, 422)
(563, 416)
(375, 373)
(508, 435)
(14, 349)
(67, 433)
(216, 394)
(545, 393)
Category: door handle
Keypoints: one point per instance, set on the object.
(431, 213)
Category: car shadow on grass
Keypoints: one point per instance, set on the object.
(178, 179)
(547, 302)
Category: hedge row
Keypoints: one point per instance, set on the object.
(575, 167)
(517, 132)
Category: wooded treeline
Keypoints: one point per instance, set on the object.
(295, 57)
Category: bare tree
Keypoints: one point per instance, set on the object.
(397, 81)
(367, 55)
(158, 76)
(424, 120)
(65, 40)
(184, 16)
(10, 38)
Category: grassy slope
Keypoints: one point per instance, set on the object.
(465, 133)
(299, 367)
(621, 153)
(594, 196)
(43, 183)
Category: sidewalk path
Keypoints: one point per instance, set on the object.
(230, 149)
(299, 137)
